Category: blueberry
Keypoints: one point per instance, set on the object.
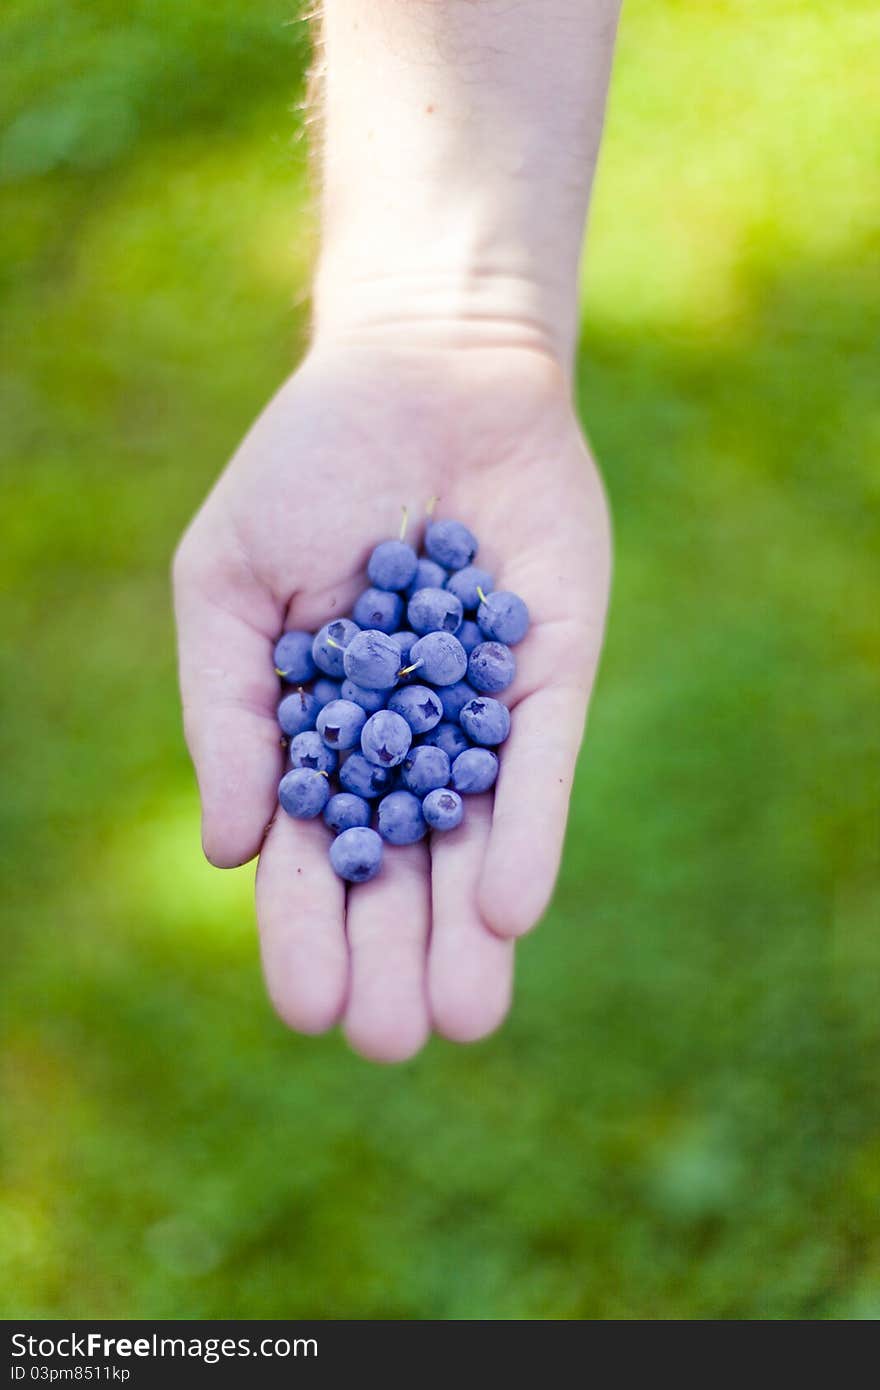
(400, 819)
(491, 667)
(443, 809)
(297, 711)
(329, 644)
(309, 750)
(392, 565)
(364, 778)
(303, 793)
(385, 738)
(420, 707)
(378, 609)
(450, 737)
(434, 610)
(340, 724)
(345, 810)
(325, 690)
(469, 635)
(474, 770)
(428, 575)
(372, 659)
(485, 720)
(450, 544)
(466, 583)
(453, 697)
(293, 657)
(504, 617)
(356, 854)
(404, 640)
(425, 768)
(369, 700)
(441, 658)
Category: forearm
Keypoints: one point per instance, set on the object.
(459, 139)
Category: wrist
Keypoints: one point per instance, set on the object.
(444, 303)
(458, 143)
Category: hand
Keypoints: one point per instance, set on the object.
(282, 541)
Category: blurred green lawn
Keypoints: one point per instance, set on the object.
(681, 1118)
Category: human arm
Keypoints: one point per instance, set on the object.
(458, 141)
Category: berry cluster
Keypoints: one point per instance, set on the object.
(403, 714)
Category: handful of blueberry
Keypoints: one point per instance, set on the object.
(400, 713)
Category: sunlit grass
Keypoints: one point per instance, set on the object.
(732, 147)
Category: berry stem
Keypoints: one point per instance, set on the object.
(482, 596)
(406, 670)
(432, 502)
(404, 522)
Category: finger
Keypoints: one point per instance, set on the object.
(226, 626)
(388, 923)
(531, 808)
(470, 969)
(301, 913)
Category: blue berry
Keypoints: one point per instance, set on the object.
(293, 657)
(330, 643)
(340, 724)
(309, 750)
(474, 770)
(356, 854)
(372, 659)
(364, 778)
(392, 565)
(428, 733)
(425, 768)
(379, 610)
(420, 707)
(385, 738)
(485, 721)
(465, 584)
(303, 793)
(450, 737)
(428, 575)
(345, 810)
(434, 610)
(453, 697)
(400, 819)
(297, 711)
(451, 544)
(369, 700)
(406, 641)
(325, 690)
(439, 657)
(504, 617)
(443, 809)
(469, 635)
(491, 667)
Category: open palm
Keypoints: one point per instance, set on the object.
(282, 541)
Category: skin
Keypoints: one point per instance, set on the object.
(440, 367)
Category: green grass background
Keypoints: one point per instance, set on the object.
(681, 1118)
